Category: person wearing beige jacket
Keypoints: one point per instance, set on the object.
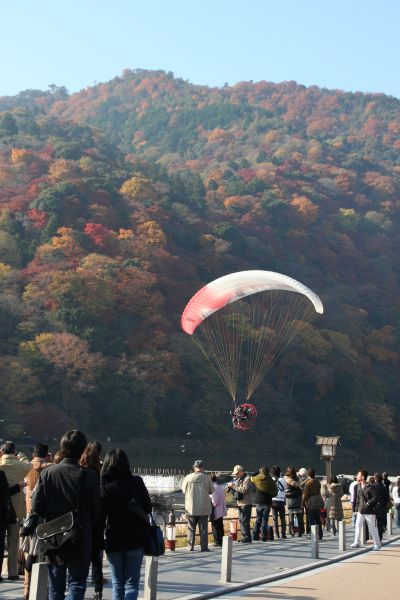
(15, 466)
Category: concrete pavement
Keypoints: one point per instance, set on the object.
(370, 576)
(195, 575)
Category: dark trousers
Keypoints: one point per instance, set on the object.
(278, 510)
(97, 570)
(2, 543)
(314, 518)
(261, 524)
(77, 576)
(381, 524)
(218, 530)
(244, 521)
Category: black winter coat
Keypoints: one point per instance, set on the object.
(366, 499)
(383, 500)
(5, 492)
(123, 531)
(57, 493)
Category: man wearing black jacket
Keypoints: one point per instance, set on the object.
(60, 489)
(366, 503)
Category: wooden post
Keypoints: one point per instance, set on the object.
(150, 578)
(226, 560)
(314, 541)
(342, 536)
(39, 579)
(389, 523)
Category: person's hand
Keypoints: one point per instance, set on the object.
(22, 484)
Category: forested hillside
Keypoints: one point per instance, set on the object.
(119, 202)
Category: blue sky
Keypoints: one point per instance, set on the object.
(349, 45)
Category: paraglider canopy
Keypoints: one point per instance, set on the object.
(228, 289)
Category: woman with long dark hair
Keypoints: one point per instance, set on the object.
(124, 532)
(90, 459)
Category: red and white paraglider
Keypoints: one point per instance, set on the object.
(244, 321)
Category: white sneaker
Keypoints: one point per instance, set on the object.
(355, 545)
(376, 547)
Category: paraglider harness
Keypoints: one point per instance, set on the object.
(243, 416)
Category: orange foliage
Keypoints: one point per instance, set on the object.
(305, 207)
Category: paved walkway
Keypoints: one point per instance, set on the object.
(195, 575)
(369, 576)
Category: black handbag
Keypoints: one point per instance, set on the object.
(29, 524)
(154, 539)
(59, 534)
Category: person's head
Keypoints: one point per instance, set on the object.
(378, 477)
(116, 463)
(73, 443)
(198, 466)
(238, 471)
(385, 475)
(90, 458)
(40, 450)
(276, 471)
(214, 477)
(263, 470)
(58, 457)
(371, 479)
(291, 472)
(8, 448)
(362, 476)
(98, 447)
(302, 472)
(311, 472)
(398, 482)
(333, 479)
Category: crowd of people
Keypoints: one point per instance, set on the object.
(91, 501)
(297, 494)
(94, 495)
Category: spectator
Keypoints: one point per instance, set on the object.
(60, 489)
(15, 466)
(335, 491)
(366, 501)
(312, 500)
(219, 511)
(5, 492)
(241, 489)
(383, 504)
(352, 499)
(265, 490)
(39, 462)
(125, 532)
(386, 481)
(279, 502)
(90, 459)
(293, 496)
(396, 501)
(197, 488)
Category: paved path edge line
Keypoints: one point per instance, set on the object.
(234, 587)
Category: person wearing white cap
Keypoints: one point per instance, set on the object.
(241, 488)
(197, 488)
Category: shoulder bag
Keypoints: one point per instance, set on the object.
(154, 539)
(59, 534)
